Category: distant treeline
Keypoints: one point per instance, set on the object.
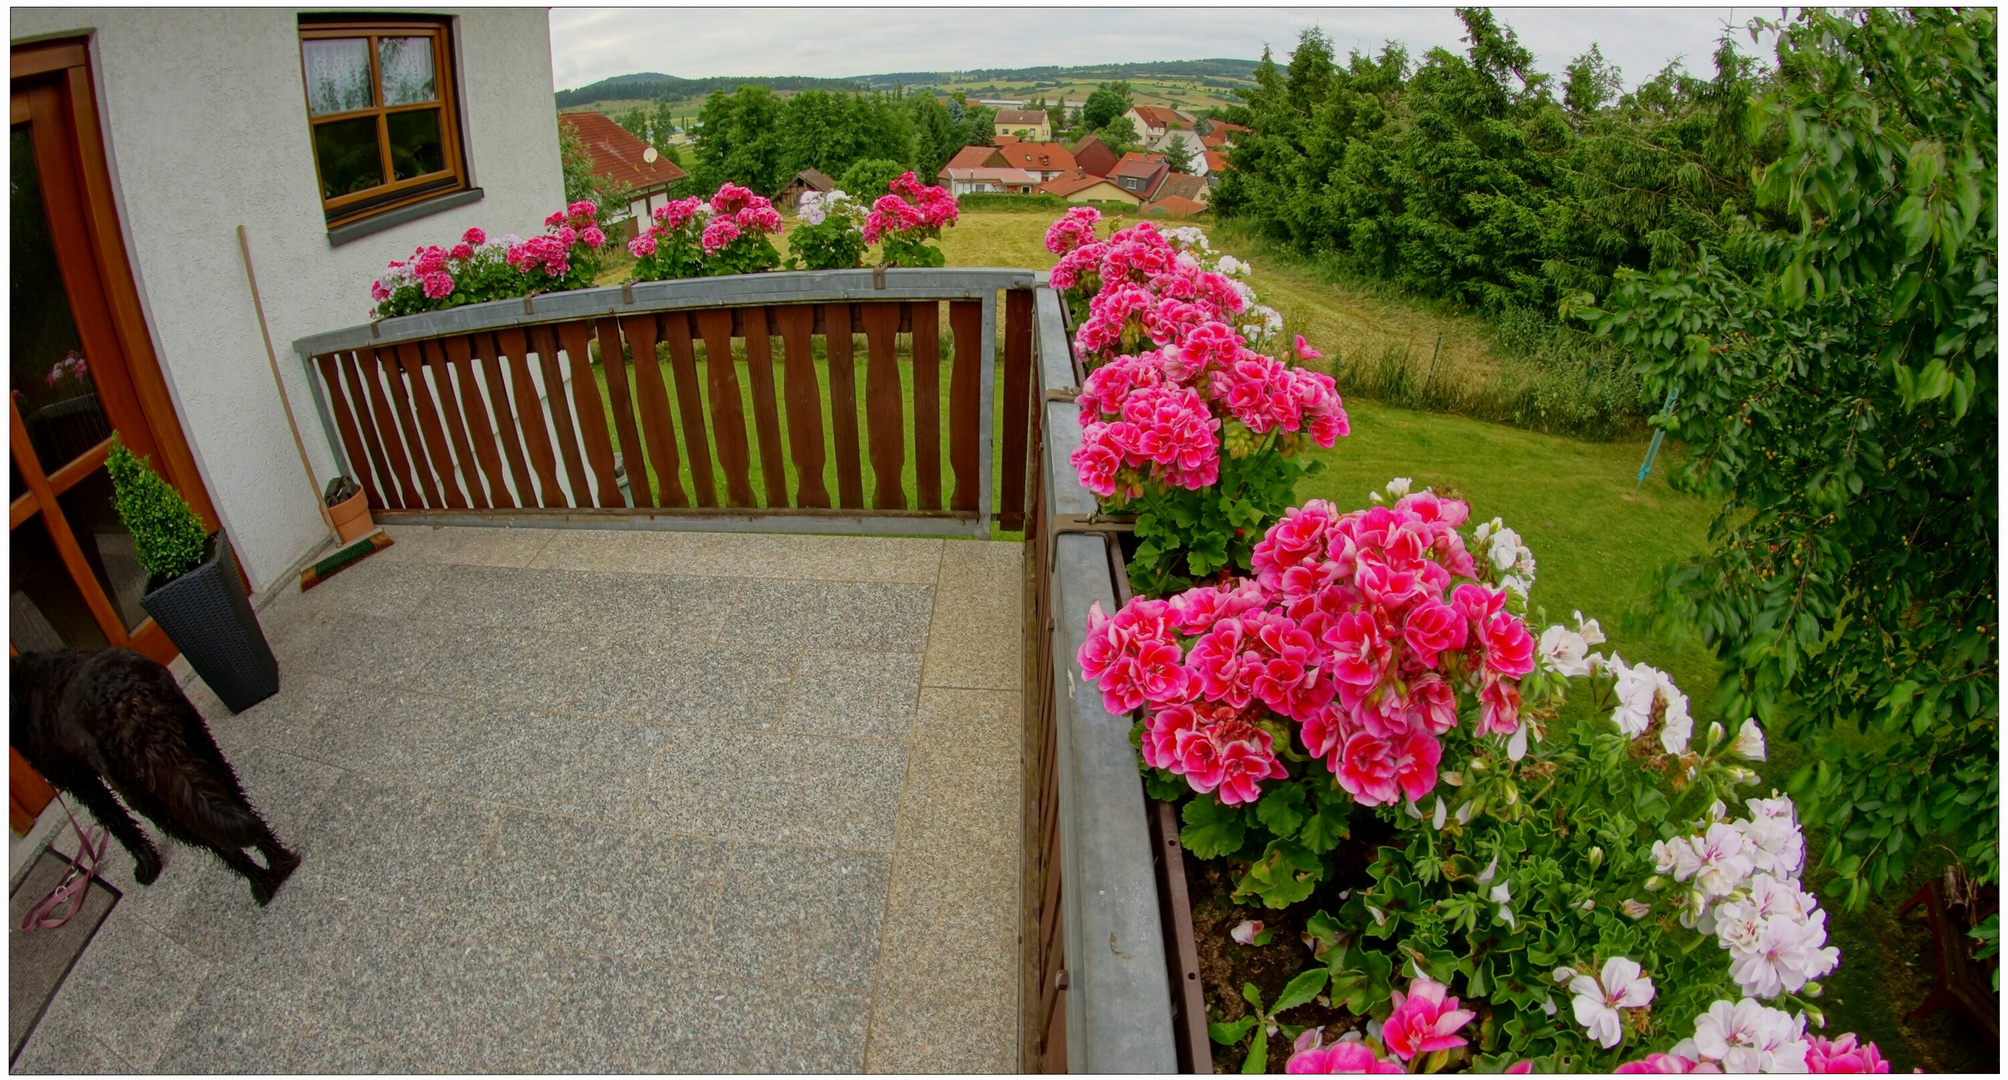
(655, 86)
(651, 86)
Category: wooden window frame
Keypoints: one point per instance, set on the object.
(394, 194)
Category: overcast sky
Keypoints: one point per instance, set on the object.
(589, 44)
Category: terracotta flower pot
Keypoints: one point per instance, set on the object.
(352, 517)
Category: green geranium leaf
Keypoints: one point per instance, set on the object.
(1282, 810)
(1301, 989)
(1212, 831)
(1231, 1033)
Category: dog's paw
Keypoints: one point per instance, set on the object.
(147, 872)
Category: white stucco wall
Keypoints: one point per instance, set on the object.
(205, 123)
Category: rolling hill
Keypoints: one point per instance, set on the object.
(1197, 82)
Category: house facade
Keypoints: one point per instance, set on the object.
(149, 137)
(1152, 121)
(623, 159)
(1086, 187)
(1031, 125)
(1091, 154)
(975, 181)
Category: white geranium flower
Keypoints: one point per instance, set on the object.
(1590, 631)
(1787, 954)
(1636, 688)
(1621, 985)
(1677, 727)
(1749, 1037)
(1502, 894)
(1749, 744)
(1720, 861)
(1232, 266)
(1565, 652)
(810, 208)
(1635, 910)
(1397, 488)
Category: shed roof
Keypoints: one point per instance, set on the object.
(619, 156)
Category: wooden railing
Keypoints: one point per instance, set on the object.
(608, 406)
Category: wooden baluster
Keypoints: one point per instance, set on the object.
(728, 416)
(592, 412)
(965, 402)
(838, 327)
(1017, 403)
(614, 365)
(530, 414)
(412, 359)
(655, 413)
(805, 404)
(690, 405)
(474, 414)
(505, 422)
(407, 423)
(456, 428)
(399, 490)
(766, 415)
(563, 433)
(884, 409)
(927, 403)
(352, 441)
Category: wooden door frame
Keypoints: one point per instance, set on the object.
(66, 63)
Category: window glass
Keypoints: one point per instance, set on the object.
(338, 74)
(414, 143)
(407, 70)
(51, 379)
(349, 156)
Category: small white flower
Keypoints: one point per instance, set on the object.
(1485, 876)
(1591, 632)
(1516, 747)
(1244, 934)
(1398, 487)
(1677, 727)
(1465, 812)
(1548, 1005)
(1634, 910)
(1565, 652)
(1436, 820)
(1621, 985)
(1749, 744)
(1502, 894)
(1750, 1037)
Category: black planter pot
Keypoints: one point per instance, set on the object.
(208, 617)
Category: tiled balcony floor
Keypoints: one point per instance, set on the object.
(599, 801)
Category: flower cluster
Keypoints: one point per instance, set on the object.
(817, 205)
(435, 277)
(571, 235)
(1742, 880)
(1163, 415)
(71, 366)
(906, 217)
(1360, 627)
(1598, 998)
(727, 234)
(1176, 283)
(831, 233)
(1075, 228)
(1424, 1021)
(1751, 1037)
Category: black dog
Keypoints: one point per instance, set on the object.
(84, 718)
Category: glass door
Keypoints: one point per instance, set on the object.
(76, 578)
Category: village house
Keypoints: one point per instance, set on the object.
(1086, 187)
(625, 161)
(1049, 160)
(1140, 174)
(1032, 125)
(1153, 121)
(977, 157)
(1003, 180)
(1092, 155)
(1195, 149)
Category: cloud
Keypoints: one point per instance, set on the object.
(588, 44)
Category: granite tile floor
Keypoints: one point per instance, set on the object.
(579, 801)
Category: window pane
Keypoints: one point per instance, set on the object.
(407, 70)
(338, 74)
(45, 609)
(349, 156)
(107, 545)
(51, 379)
(414, 144)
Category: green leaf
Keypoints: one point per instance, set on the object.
(1258, 1052)
(1301, 989)
(1286, 873)
(1212, 830)
(1326, 826)
(1230, 1033)
(1281, 809)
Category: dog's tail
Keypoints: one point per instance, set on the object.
(169, 754)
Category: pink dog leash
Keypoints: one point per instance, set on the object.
(68, 895)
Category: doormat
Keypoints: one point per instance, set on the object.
(38, 963)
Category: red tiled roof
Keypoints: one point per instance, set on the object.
(1175, 206)
(1151, 169)
(1020, 116)
(617, 155)
(1183, 186)
(1067, 185)
(1157, 116)
(1040, 156)
(1090, 154)
(1133, 157)
(975, 157)
(1216, 161)
(1000, 140)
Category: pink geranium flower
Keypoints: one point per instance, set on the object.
(1424, 1021)
(1667, 1063)
(1340, 1057)
(1843, 1055)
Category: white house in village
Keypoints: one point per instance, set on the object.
(142, 140)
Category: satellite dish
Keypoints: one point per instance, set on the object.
(649, 155)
